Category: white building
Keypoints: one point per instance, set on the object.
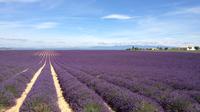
(191, 48)
(154, 49)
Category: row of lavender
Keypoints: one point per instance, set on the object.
(14, 62)
(78, 95)
(120, 99)
(42, 97)
(170, 79)
(165, 95)
(14, 82)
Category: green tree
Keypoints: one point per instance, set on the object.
(196, 48)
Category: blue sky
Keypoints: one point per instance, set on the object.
(85, 23)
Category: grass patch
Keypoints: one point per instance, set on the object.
(11, 89)
(178, 105)
(37, 105)
(4, 101)
(197, 98)
(92, 107)
(146, 107)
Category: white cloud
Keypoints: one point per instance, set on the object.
(117, 17)
(18, 1)
(26, 25)
(13, 39)
(10, 24)
(157, 31)
(45, 25)
(195, 10)
(191, 10)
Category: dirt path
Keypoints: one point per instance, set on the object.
(109, 108)
(63, 105)
(25, 70)
(20, 100)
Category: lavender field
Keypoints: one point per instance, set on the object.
(99, 81)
